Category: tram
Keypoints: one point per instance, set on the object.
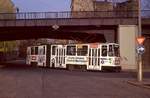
(90, 56)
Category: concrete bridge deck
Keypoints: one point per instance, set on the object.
(44, 24)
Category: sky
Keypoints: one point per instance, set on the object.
(45, 5)
(42, 5)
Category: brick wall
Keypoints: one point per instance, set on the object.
(93, 5)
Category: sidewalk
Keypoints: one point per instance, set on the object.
(145, 83)
(2, 65)
(135, 70)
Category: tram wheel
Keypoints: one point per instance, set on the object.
(53, 65)
(70, 67)
(118, 70)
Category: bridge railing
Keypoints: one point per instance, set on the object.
(81, 14)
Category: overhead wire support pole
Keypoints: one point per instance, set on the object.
(139, 19)
(140, 73)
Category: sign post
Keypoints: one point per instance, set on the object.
(140, 51)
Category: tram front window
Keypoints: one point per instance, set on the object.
(53, 50)
(32, 51)
(104, 50)
(111, 52)
(36, 50)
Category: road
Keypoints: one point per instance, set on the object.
(29, 82)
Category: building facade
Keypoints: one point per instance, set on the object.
(7, 6)
(103, 5)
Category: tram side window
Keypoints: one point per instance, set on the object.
(99, 53)
(110, 52)
(44, 50)
(36, 50)
(53, 50)
(71, 50)
(41, 51)
(32, 51)
(82, 51)
(28, 51)
(104, 50)
(90, 52)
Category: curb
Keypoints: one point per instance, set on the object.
(1, 66)
(141, 84)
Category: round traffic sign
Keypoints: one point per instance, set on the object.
(140, 49)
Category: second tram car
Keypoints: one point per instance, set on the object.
(95, 56)
(91, 56)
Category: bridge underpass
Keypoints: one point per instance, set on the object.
(80, 33)
(146, 33)
(84, 27)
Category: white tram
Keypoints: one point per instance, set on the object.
(94, 56)
(91, 56)
(38, 55)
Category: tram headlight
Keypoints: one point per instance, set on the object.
(117, 61)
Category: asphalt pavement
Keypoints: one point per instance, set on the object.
(32, 82)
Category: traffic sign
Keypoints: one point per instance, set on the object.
(140, 40)
(140, 49)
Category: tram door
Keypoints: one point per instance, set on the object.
(58, 56)
(42, 56)
(94, 58)
(28, 61)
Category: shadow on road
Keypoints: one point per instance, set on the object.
(20, 65)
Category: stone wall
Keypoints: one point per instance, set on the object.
(123, 9)
(94, 5)
(82, 5)
(103, 6)
(6, 6)
(129, 7)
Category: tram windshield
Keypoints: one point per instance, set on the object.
(113, 50)
(116, 50)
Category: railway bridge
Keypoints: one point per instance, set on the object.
(86, 26)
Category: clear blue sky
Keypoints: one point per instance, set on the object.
(49, 5)
(42, 5)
